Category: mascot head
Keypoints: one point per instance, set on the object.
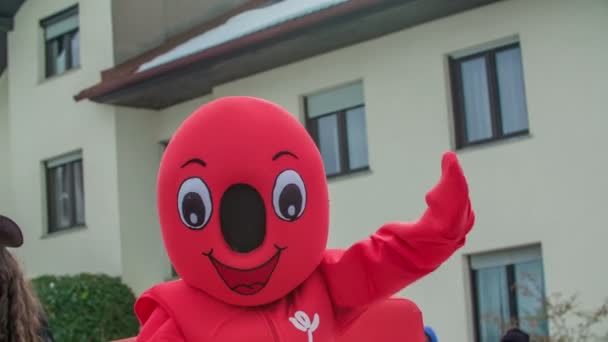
(243, 201)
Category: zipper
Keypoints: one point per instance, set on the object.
(273, 329)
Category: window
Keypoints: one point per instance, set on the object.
(61, 42)
(336, 121)
(489, 96)
(65, 192)
(508, 288)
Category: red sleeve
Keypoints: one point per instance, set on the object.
(400, 253)
(156, 324)
(159, 327)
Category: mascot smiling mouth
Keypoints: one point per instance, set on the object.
(246, 281)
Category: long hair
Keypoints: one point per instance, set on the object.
(19, 308)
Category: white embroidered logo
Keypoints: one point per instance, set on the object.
(302, 322)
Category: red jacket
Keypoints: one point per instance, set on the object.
(341, 288)
(391, 320)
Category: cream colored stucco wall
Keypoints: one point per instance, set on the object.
(6, 206)
(144, 259)
(46, 122)
(170, 118)
(549, 187)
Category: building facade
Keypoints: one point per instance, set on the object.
(501, 82)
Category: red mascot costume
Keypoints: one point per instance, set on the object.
(244, 212)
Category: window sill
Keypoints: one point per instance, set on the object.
(495, 142)
(58, 76)
(63, 231)
(350, 174)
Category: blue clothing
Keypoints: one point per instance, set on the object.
(431, 334)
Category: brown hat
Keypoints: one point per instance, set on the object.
(10, 233)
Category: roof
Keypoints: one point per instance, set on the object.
(255, 39)
(242, 25)
(143, 69)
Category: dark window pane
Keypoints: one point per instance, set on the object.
(67, 196)
(530, 287)
(511, 91)
(329, 143)
(357, 138)
(492, 302)
(56, 56)
(476, 100)
(75, 49)
(60, 196)
(60, 56)
(51, 199)
(52, 49)
(56, 179)
(78, 193)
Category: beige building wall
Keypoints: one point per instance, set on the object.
(5, 168)
(548, 187)
(144, 260)
(45, 122)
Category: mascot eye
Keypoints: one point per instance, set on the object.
(289, 196)
(194, 203)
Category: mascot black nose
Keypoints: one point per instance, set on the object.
(243, 218)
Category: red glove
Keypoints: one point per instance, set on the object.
(449, 210)
(400, 253)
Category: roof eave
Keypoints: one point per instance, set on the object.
(101, 89)
(337, 27)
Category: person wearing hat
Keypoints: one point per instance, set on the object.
(515, 335)
(22, 318)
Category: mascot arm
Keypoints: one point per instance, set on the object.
(400, 253)
(156, 324)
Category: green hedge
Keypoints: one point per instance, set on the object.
(87, 307)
